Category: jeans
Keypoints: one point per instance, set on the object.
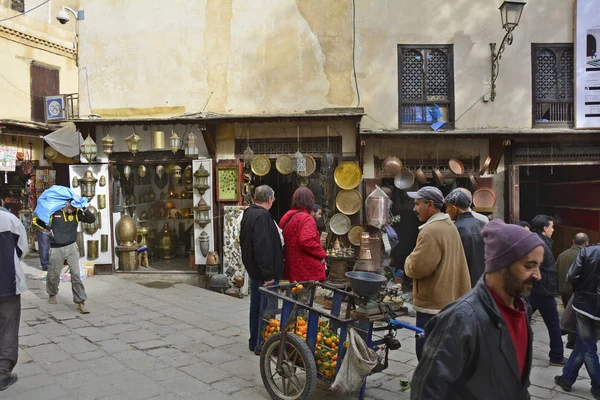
(547, 307)
(422, 320)
(258, 304)
(584, 352)
(43, 239)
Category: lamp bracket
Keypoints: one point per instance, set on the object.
(507, 40)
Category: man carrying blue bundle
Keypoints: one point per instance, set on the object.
(62, 225)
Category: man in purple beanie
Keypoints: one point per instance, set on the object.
(479, 347)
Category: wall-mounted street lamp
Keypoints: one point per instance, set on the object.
(511, 15)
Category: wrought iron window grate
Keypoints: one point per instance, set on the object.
(270, 147)
(558, 154)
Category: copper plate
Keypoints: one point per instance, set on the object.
(420, 176)
(405, 180)
(261, 165)
(456, 166)
(311, 166)
(284, 165)
(392, 166)
(438, 177)
(485, 166)
(484, 198)
(354, 234)
(347, 175)
(473, 182)
(348, 201)
(339, 224)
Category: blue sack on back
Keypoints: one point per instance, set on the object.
(54, 198)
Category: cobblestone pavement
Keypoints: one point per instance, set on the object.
(179, 342)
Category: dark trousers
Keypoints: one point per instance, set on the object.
(570, 336)
(258, 304)
(43, 239)
(547, 307)
(584, 352)
(10, 317)
(422, 320)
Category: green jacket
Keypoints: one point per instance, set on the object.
(563, 263)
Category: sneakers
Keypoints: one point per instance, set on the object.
(6, 382)
(564, 385)
(560, 363)
(52, 300)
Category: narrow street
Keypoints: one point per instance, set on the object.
(176, 342)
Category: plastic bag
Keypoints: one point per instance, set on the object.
(54, 198)
(378, 206)
(358, 362)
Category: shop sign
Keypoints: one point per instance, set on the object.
(587, 63)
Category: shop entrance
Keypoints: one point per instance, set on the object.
(569, 193)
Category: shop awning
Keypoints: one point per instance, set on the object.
(62, 141)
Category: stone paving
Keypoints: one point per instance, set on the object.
(180, 342)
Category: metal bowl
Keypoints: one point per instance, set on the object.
(365, 284)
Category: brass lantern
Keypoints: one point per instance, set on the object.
(142, 171)
(88, 184)
(177, 172)
(191, 146)
(108, 143)
(134, 142)
(158, 140)
(175, 142)
(202, 215)
(127, 172)
(201, 180)
(89, 149)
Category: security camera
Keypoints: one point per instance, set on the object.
(62, 16)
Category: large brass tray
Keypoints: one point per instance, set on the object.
(348, 201)
(261, 165)
(347, 175)
(284, 165)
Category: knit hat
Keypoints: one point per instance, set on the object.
(505, 244)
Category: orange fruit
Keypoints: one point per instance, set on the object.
(300, 287)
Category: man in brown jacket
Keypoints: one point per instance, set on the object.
(563, 264)
(437, 264)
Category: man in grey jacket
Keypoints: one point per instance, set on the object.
(480, 346)
(13, 246)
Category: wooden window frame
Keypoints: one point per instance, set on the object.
(448, 49)
(535, 47)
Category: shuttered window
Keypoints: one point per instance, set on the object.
(44, 82)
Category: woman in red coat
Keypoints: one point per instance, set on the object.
(304, 256)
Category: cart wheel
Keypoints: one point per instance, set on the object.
(297, 379)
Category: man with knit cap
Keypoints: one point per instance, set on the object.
(437, 264)
(480, 346)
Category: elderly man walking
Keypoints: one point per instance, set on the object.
(261, 253)
(563, 264)
(480, 347)
(13, 246)
(437, 264)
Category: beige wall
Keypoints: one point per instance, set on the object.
(287, 56)
(17, 52)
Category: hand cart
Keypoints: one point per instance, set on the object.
(303, 342)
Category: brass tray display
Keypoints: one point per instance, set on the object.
(311, 166)
(347, 175)
(348, 201)
(340, 224)
(302, 181)
(261, 165)
(354, 234)
(284, 165)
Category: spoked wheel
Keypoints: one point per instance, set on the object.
(297, 378)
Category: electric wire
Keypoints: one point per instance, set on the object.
(25, 12)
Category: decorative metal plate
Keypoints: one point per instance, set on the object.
(311, 166)
(261, 165)
(284, 165)
(354, 234)
(339, 224)
(347, 175)
(348, 201)
(485, 198)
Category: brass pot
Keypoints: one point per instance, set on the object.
(239, 281)
(103, 243)
(92, 249)
(101, 201)
(212, 258)
(126, 231)
(158, 140)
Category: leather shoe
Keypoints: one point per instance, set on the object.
(561, 382)
(6, 382)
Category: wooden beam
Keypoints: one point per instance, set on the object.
(496, 151)
(210, 139)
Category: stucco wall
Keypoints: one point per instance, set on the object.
(234, 56)
(16, 55)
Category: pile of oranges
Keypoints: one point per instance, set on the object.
(271, 329)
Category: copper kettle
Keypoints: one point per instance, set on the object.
(212, 258)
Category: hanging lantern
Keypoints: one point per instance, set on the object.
(88, 184)
(158, 140)
(89, 149)
(108, 143)
(160, 171)
(177, 172)
(142, 171)
(134, 142)
(175, 142)
(191, 146)
(202, 215)
(201, 180)
(127, 172)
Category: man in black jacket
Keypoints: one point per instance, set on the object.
(584, 276)
(543, 295)
(457, 205)
(480, 346)
(261, 253)
(63, 246)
